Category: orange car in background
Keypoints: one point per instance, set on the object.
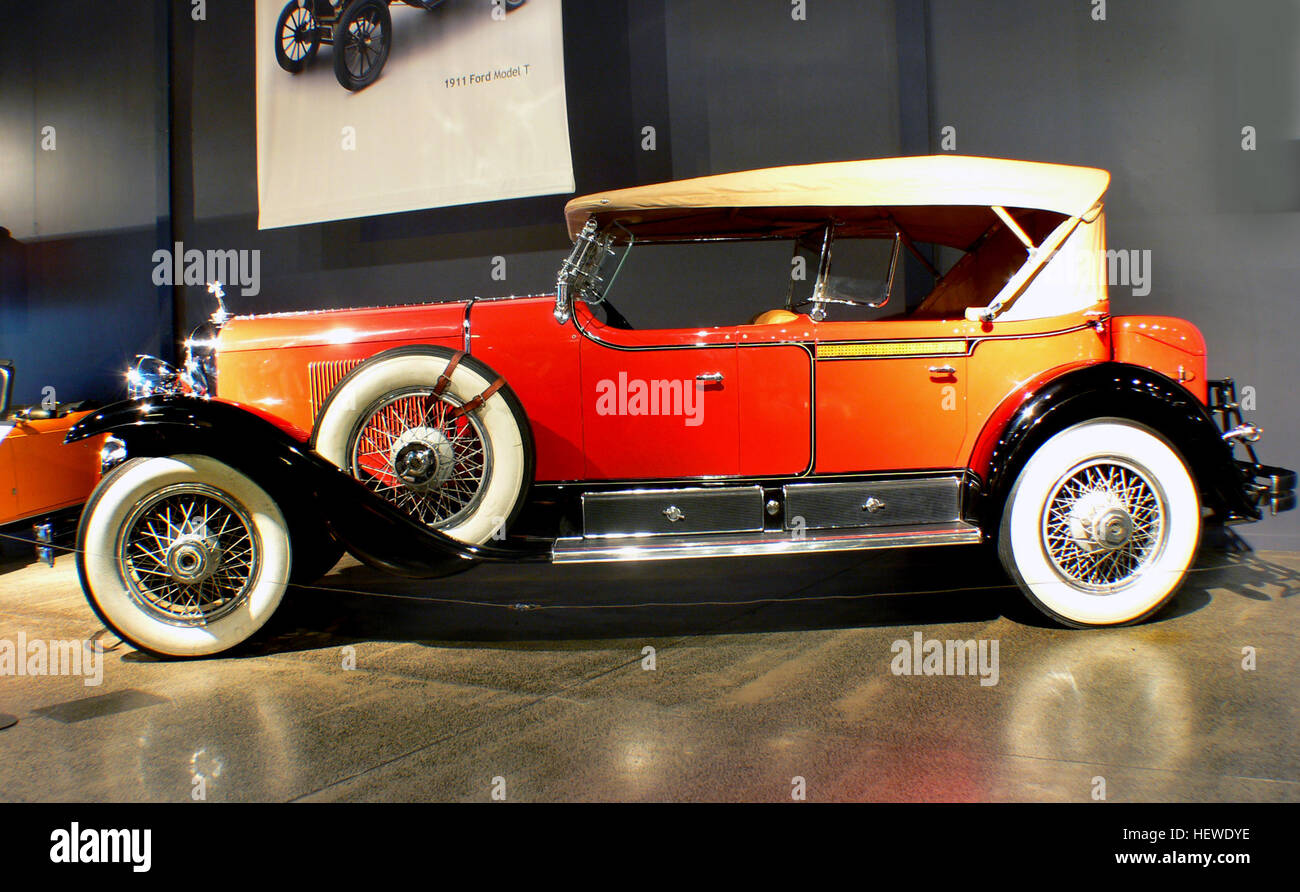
(43, 482)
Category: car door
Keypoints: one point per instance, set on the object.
(659, 404)
(775, 400)
(891, 396)
(49, 474)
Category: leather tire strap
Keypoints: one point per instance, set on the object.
(444, 380)
(479, 400)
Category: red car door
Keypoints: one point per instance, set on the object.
(659, 404)
(746, 406)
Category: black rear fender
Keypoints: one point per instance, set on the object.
(1118, 390)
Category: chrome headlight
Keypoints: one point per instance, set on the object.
(111, 454)
(149, 375)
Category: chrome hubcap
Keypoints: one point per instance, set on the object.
(193, 559)
(1104, 523)
(423, 458)
(189, 554)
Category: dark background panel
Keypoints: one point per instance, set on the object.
(156, 144)
(75, 286)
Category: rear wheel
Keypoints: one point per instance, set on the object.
(1102, 524)
(183, 555)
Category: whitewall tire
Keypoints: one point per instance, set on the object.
(1102, 524)
(463, 473)
(184, 555)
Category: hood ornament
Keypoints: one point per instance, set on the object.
(220, 316)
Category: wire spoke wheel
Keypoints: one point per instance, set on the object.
(1104, 524)
(189, 554)
(415, 448)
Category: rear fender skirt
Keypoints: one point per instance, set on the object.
(1113, 389)
(301, 481)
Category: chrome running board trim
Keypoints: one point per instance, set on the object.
(577, 550)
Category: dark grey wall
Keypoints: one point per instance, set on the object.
(75, 289)
(158, 125)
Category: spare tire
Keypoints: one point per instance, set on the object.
(437, 433)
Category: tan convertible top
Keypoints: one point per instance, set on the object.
(894, 188)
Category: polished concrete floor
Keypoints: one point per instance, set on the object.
(532, 683)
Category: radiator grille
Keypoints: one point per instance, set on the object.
(322, 377)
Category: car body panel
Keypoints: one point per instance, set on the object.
(521, 341)
(39, 474)
(776, 393)
(1173, 347)
(787, 389)
(266, 362)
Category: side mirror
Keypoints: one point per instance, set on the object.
(6, 385)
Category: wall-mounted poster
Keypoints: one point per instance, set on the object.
(370, 107)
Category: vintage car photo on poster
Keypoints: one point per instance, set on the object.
(445, 102)
(361, 32)
(1008, 407)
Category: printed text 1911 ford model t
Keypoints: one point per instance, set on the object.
(1008, 405)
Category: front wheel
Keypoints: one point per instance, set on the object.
(182, 556)
(362, 37)
(1102, 524)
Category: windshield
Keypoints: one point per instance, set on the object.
(726, 282)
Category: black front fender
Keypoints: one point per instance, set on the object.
(1114, 389)
(300, 480)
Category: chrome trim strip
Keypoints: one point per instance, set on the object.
(772, 480)
(575, 550)
(972, 341)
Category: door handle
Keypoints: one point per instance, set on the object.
(711, 377)
(942, 370)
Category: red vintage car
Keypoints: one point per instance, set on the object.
(1007, 405)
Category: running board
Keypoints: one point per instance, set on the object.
(577, 550)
